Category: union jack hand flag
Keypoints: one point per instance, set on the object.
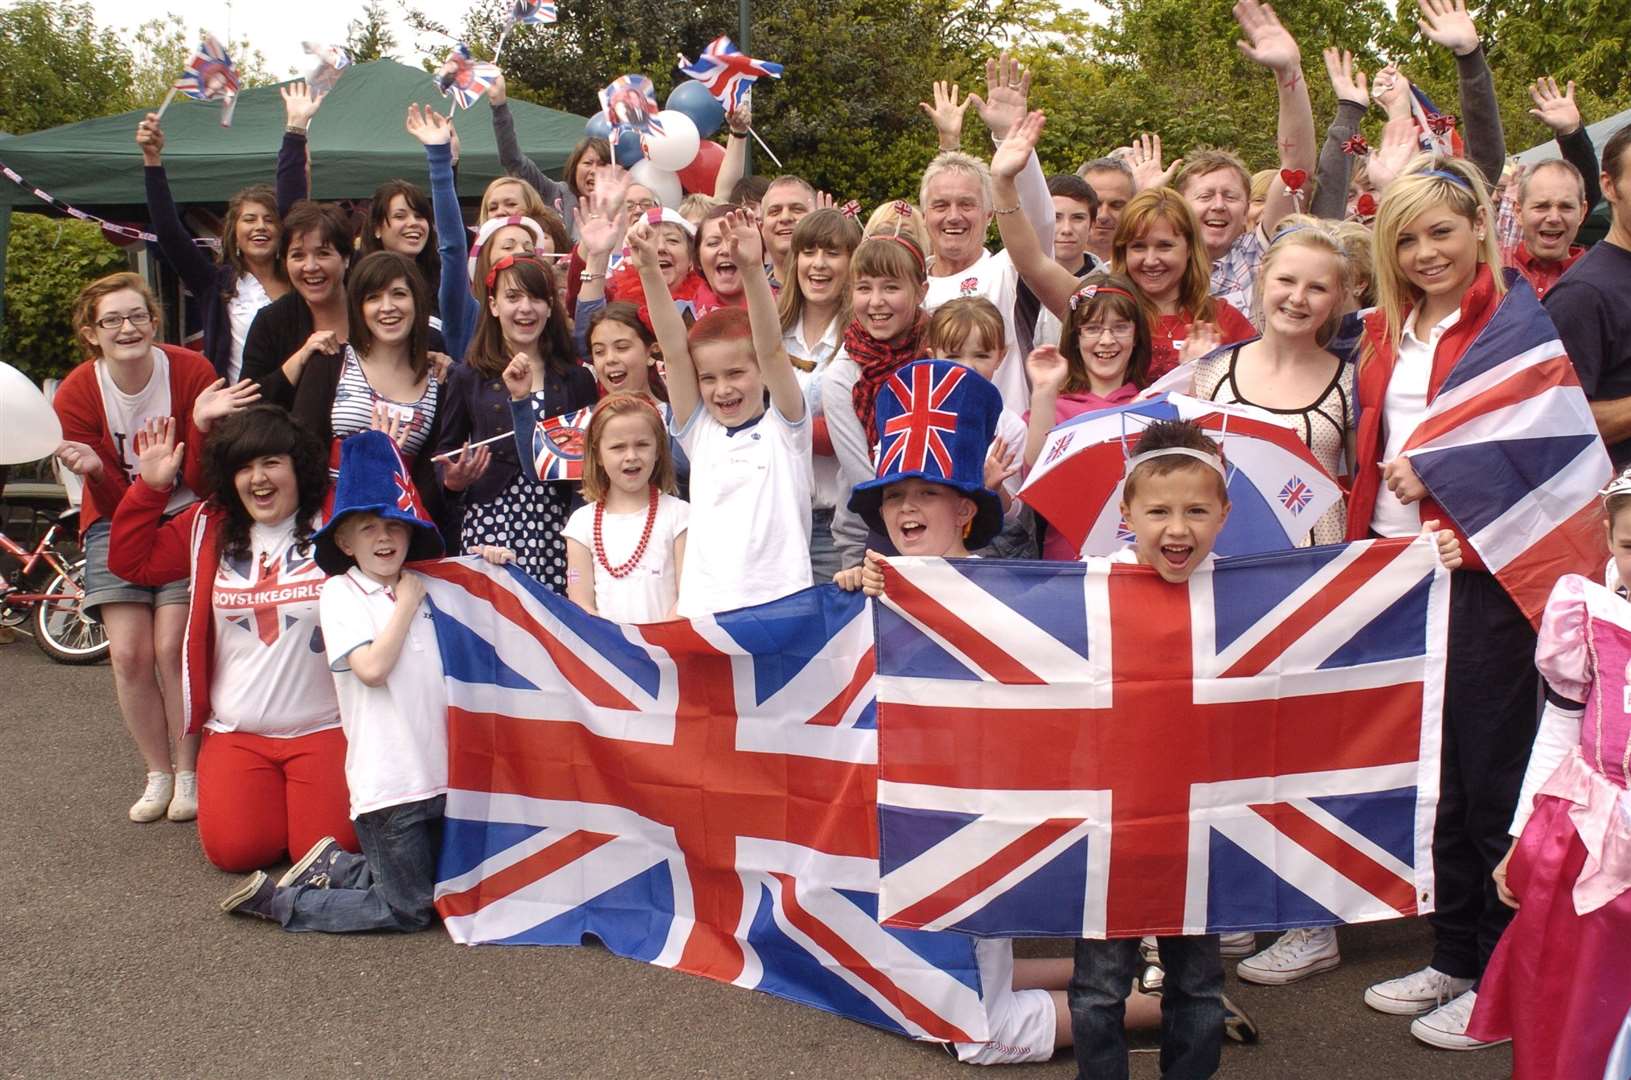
(910, 440)
(210, 76)
(728, 72)
(1509, 449)
(631, 101)
(536, 12)
(464, 78)
(695, 794)
(558, 445)
(1091, 751)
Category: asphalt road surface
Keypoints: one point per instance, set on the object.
(115, 962)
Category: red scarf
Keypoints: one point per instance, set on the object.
(878, 360)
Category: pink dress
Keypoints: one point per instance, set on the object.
(1558, 982)
(1054, 546)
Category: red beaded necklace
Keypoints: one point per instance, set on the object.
(639, 549)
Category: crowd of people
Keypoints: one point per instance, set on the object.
(370, 392)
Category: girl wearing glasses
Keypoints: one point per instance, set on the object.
(126, 381)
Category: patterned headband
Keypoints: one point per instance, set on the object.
(508, 261)
(1455, 178)
(1088, 292)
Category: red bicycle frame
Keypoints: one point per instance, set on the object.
(42, 551)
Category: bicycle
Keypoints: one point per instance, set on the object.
(62, 630)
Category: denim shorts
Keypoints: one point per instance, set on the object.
(103, 586)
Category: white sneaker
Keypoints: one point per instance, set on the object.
(1297, 955)
(1419, 992)
(155, 799)
(184, 803)
(1233, 946)
(1446, 1026)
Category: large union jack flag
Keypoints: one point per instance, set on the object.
(728, 72)
(695, 794)
(1090, 751)
(912, 439)
(1509, 449)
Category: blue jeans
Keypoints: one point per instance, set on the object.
(1191, 1006)
(388, 887)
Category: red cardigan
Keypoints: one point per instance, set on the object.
(79, 407)
(1377, 359)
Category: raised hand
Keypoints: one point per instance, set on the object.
(600, 216)
(453, 148)
(1007, 91)
(218, 400)
(1267, 42)
(1000, 463)
(740, 118)
(1347, 81)
(1047, 369)
(299, 104)
(1392, 90)
(1145, 158)
(518, 377)
(947, 112)
(391, 421)
(1203, 340)
(158, 455)
(78, 458)
(1446, 23)
(150, 137)
(466, 466)
(824, 201)
(428, 126)
(746, 245)
(1555, 109)
(642, 241)
(498, 93)
(1397, 148)
(1017, 148)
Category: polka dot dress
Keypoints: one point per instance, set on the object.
(528, 518)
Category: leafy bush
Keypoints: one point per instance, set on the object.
(47, 262)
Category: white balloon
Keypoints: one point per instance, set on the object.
(676, 147)
(662, 183)
(29, 428)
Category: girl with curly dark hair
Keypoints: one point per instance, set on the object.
(271, 771)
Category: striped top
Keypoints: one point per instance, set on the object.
(354, 400)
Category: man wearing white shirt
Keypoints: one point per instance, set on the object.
(957, 208)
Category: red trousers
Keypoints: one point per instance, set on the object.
(260, 799)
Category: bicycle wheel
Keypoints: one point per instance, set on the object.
(61, 630)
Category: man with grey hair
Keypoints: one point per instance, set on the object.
(956, 198)
(1111, 179)
(1555, 196)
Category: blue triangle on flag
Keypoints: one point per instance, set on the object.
(1483, 480)
(467, 844)
(1252, 587)
(777, 635)
(906, 832)
(1027, 588)
(1397, 633)
(1242, 892)
(903, 649)
(1385, 818)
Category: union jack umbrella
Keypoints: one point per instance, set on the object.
(695, 794)
(210, 76)
(1090, 751)
(631, 101)
(464, 78)
(728, 72)
(536, 12)
(1277, 488)
(558, 445)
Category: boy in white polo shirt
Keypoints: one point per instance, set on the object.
(740, 415)
(381, 645)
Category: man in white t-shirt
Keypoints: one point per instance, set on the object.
(957, 209)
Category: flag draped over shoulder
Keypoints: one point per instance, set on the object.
(1090, 751)
(696, 794)
(1510, 450)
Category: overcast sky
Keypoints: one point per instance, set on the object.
(277, 27)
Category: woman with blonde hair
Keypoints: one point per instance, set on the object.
(1438, 285)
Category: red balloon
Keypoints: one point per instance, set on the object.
(699, 176)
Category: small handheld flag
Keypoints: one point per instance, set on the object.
(535, 12)
(331, 60)
(558, 444)
(208, 76)
(631, 101)
(728, 72)
(463, 78)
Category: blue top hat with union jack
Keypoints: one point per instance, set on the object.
(374, 480)
(935, 422)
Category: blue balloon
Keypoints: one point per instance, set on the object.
(598, 127)
(627, 149)
(693, 99)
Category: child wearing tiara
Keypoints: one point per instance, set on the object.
(625, 547)
(1556, 984)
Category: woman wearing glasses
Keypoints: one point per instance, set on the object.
(125, 381)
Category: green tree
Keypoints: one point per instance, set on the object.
(370, 38)
(58, 66)
(47, 262)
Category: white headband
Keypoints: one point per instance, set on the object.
(1620, 485)
(1211, 460)
(491, 226)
